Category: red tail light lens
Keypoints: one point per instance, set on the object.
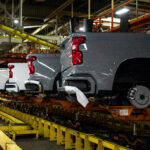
(32, 58)
(31, 66)
(10, 70)
(77, 56)
(31, 69)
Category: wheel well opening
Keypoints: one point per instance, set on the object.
(132, 72)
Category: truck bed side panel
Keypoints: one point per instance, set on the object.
(20, 74)
(103, 53)
(47, 67)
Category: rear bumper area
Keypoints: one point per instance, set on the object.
(12, 87)
(85, 84)
(33, 86)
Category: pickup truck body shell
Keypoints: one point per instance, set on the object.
(47, 67)
(20, 75)
(103, 53)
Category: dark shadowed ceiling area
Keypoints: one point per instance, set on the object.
(35, 11)
(43, 17)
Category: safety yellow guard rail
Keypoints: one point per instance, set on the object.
(26, 36)
(6, 143)
(9, 118)
(63, 135)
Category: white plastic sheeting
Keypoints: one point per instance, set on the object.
(81, 98)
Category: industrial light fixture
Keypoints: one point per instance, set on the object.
(122, 11)
(82, 29)
(16, 21)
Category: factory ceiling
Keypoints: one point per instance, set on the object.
(41, 16)
(36, 11)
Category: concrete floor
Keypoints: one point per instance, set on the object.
(40, 144)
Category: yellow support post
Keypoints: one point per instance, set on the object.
(89, 9)
(60, 136)
(37, 134)
(41, 127)
(53, 134)
(13, 136)
(68, 140)
(46, 129)
(27, 36)
(116, 147)
(100, 145)
(78, 144)
(87, 145)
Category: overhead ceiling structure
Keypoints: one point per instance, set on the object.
(51, 17)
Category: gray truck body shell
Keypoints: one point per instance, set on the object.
(103, 53)
(20, 75)
(47, 67)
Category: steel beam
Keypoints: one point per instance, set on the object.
(4, 8)
(72, 10)
(12, 14)
(59, 9)
(21, 5)
(26, 36)
(75, 14)
(18, 6)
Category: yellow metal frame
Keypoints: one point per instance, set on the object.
(26, 36)
(17, 129)
(63, 135)
(9, 118)
(6, 143)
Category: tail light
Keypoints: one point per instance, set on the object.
(10, 70)
(77, 56)
(31, 66)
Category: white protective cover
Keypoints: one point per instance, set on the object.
(81, 98)
(20, 75)
(3, 77)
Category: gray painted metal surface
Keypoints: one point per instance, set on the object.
(47, 67)
(103, 53)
